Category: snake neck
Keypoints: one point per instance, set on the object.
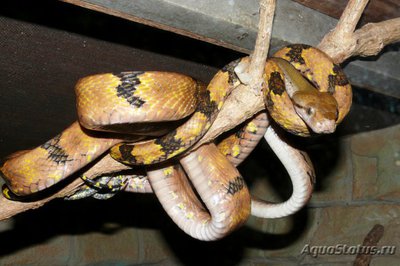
(317, 109)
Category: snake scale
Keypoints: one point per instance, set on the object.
(304, 92)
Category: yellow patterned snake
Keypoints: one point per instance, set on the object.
(146, 103)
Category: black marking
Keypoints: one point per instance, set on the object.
(276, 84)
(103, 187)
(169, 144)
(337, 79)
(236, 185)
(298, 105)
(126, 153)
(312, 177)
(239, 133)
(331, 84)
(7, 193)
(206, 106)
(303, 154)
(230, 68)
(310, 173)
(84, 192)
(295, 51)
(56, 153)
(127, 88)
(106, 183)
(268, 101)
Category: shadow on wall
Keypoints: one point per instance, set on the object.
(38, 227)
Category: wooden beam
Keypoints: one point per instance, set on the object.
(232, 24)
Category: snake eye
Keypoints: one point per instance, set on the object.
(310, 111)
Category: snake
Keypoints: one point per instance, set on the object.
(304, 92)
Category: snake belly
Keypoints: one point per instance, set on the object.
(225, 199)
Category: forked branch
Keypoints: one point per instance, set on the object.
(344, 41)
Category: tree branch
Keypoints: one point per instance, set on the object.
(9, 208)
(371, 38)
(344, 42)
(247, 97)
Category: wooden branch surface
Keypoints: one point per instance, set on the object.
(344, 41)
(244, 102)
(371, 240)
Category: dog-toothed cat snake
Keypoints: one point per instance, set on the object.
(143, 105)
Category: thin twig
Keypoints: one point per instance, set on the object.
(259, 56)
(350, 17)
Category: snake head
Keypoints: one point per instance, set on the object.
(318, 110)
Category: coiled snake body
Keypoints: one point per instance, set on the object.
(145, 103)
